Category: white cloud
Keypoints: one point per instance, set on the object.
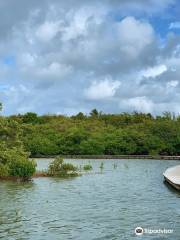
(37, 67)
(173, 63)
(55, 70)
(174, 25)
(73, 39)
(27, 60)
(77, 25)
(47, 31)
(15, 94)
(172, 84)
(153, 71)
(103, 89)
(134, 36)
(141, 104)
(78, 22)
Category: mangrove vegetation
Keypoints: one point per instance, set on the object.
(93, 134)
(30, 135)
(58, 168)
(14, 159)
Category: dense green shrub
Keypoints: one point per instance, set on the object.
(57, 168)
(87, 167)
(102, 134)
(94, 134)
(14, 162)
(68, 167)
(21, 167)
(4, 170)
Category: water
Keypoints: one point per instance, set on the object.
(97, 205)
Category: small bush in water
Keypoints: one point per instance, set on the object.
(23, 168)
(101, 166)
(126, 166)
(115, 165)
(87, 167)
(58, 168)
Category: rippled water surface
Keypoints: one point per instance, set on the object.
(105, 204)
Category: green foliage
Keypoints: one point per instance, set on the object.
(79, 116)
(4, 170)
(104, 134)
(21, 167)
(14, 161)
(94, 113)
(97, 134)
(30, 117)
(57, 168)
(68, 167)
(87, 167)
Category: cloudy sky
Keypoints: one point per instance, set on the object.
(69, 56)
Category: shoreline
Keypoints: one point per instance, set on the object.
(21, 179)
(104, 157)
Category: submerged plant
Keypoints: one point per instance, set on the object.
(101, 166)
(126, 166)
(87, 167)
(58, 168)
(115, 165)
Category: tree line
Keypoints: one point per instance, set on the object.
(97, 134)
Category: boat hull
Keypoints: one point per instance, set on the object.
(177, 186)
(172, 176)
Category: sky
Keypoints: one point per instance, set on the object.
(65, 57)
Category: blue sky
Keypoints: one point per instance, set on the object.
(69, 56)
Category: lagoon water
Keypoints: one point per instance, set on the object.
(98, 205)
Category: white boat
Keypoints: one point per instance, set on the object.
(172, 176)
